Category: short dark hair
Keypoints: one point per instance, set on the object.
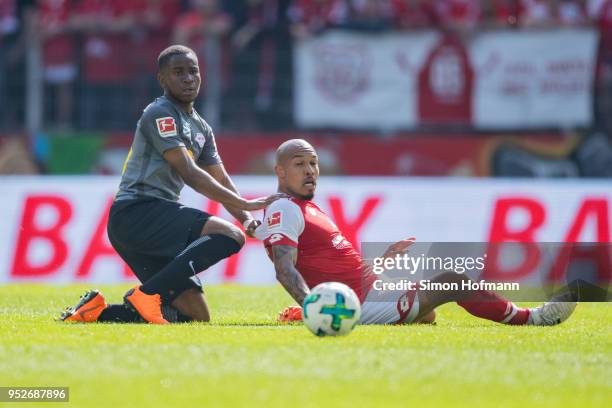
(171, 51)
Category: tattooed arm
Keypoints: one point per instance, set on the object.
(284, 257)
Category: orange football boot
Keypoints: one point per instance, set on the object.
(88, 309)
(147, 306)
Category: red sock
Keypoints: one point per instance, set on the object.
(491, 306)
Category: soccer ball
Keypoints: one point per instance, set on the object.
(331, 309)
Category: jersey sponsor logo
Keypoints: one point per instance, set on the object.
(200, 139)
(339, 242)
(275, 238)
(166, 126)
(274, 220)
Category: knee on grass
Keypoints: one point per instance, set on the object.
(192, 304)
(429, 318)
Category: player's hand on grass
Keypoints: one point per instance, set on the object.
(290, 314)
(399, 248)
(261, 202)
(250, 227)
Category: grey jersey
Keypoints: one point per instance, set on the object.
(163, 126)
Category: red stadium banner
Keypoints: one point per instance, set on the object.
(54, 228)
(495, 80)
(353, 154)
(405, 155)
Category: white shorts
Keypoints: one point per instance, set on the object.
(389, 307)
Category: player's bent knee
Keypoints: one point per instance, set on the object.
(211, 248)
(238, 236)
(216, 225)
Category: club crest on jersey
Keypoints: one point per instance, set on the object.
(274, 220)
(200, 139)
(166, 126)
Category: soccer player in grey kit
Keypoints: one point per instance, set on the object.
(165, 243)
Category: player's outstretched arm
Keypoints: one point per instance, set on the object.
(205, 184)
(399, 248)
(285, 257)
(218, 172)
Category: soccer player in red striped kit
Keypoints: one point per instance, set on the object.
(307, 248)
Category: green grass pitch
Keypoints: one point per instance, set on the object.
(244, 358)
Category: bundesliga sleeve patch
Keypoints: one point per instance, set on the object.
(274, 220)
(166, 126)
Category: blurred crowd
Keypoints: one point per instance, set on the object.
(99, 56)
